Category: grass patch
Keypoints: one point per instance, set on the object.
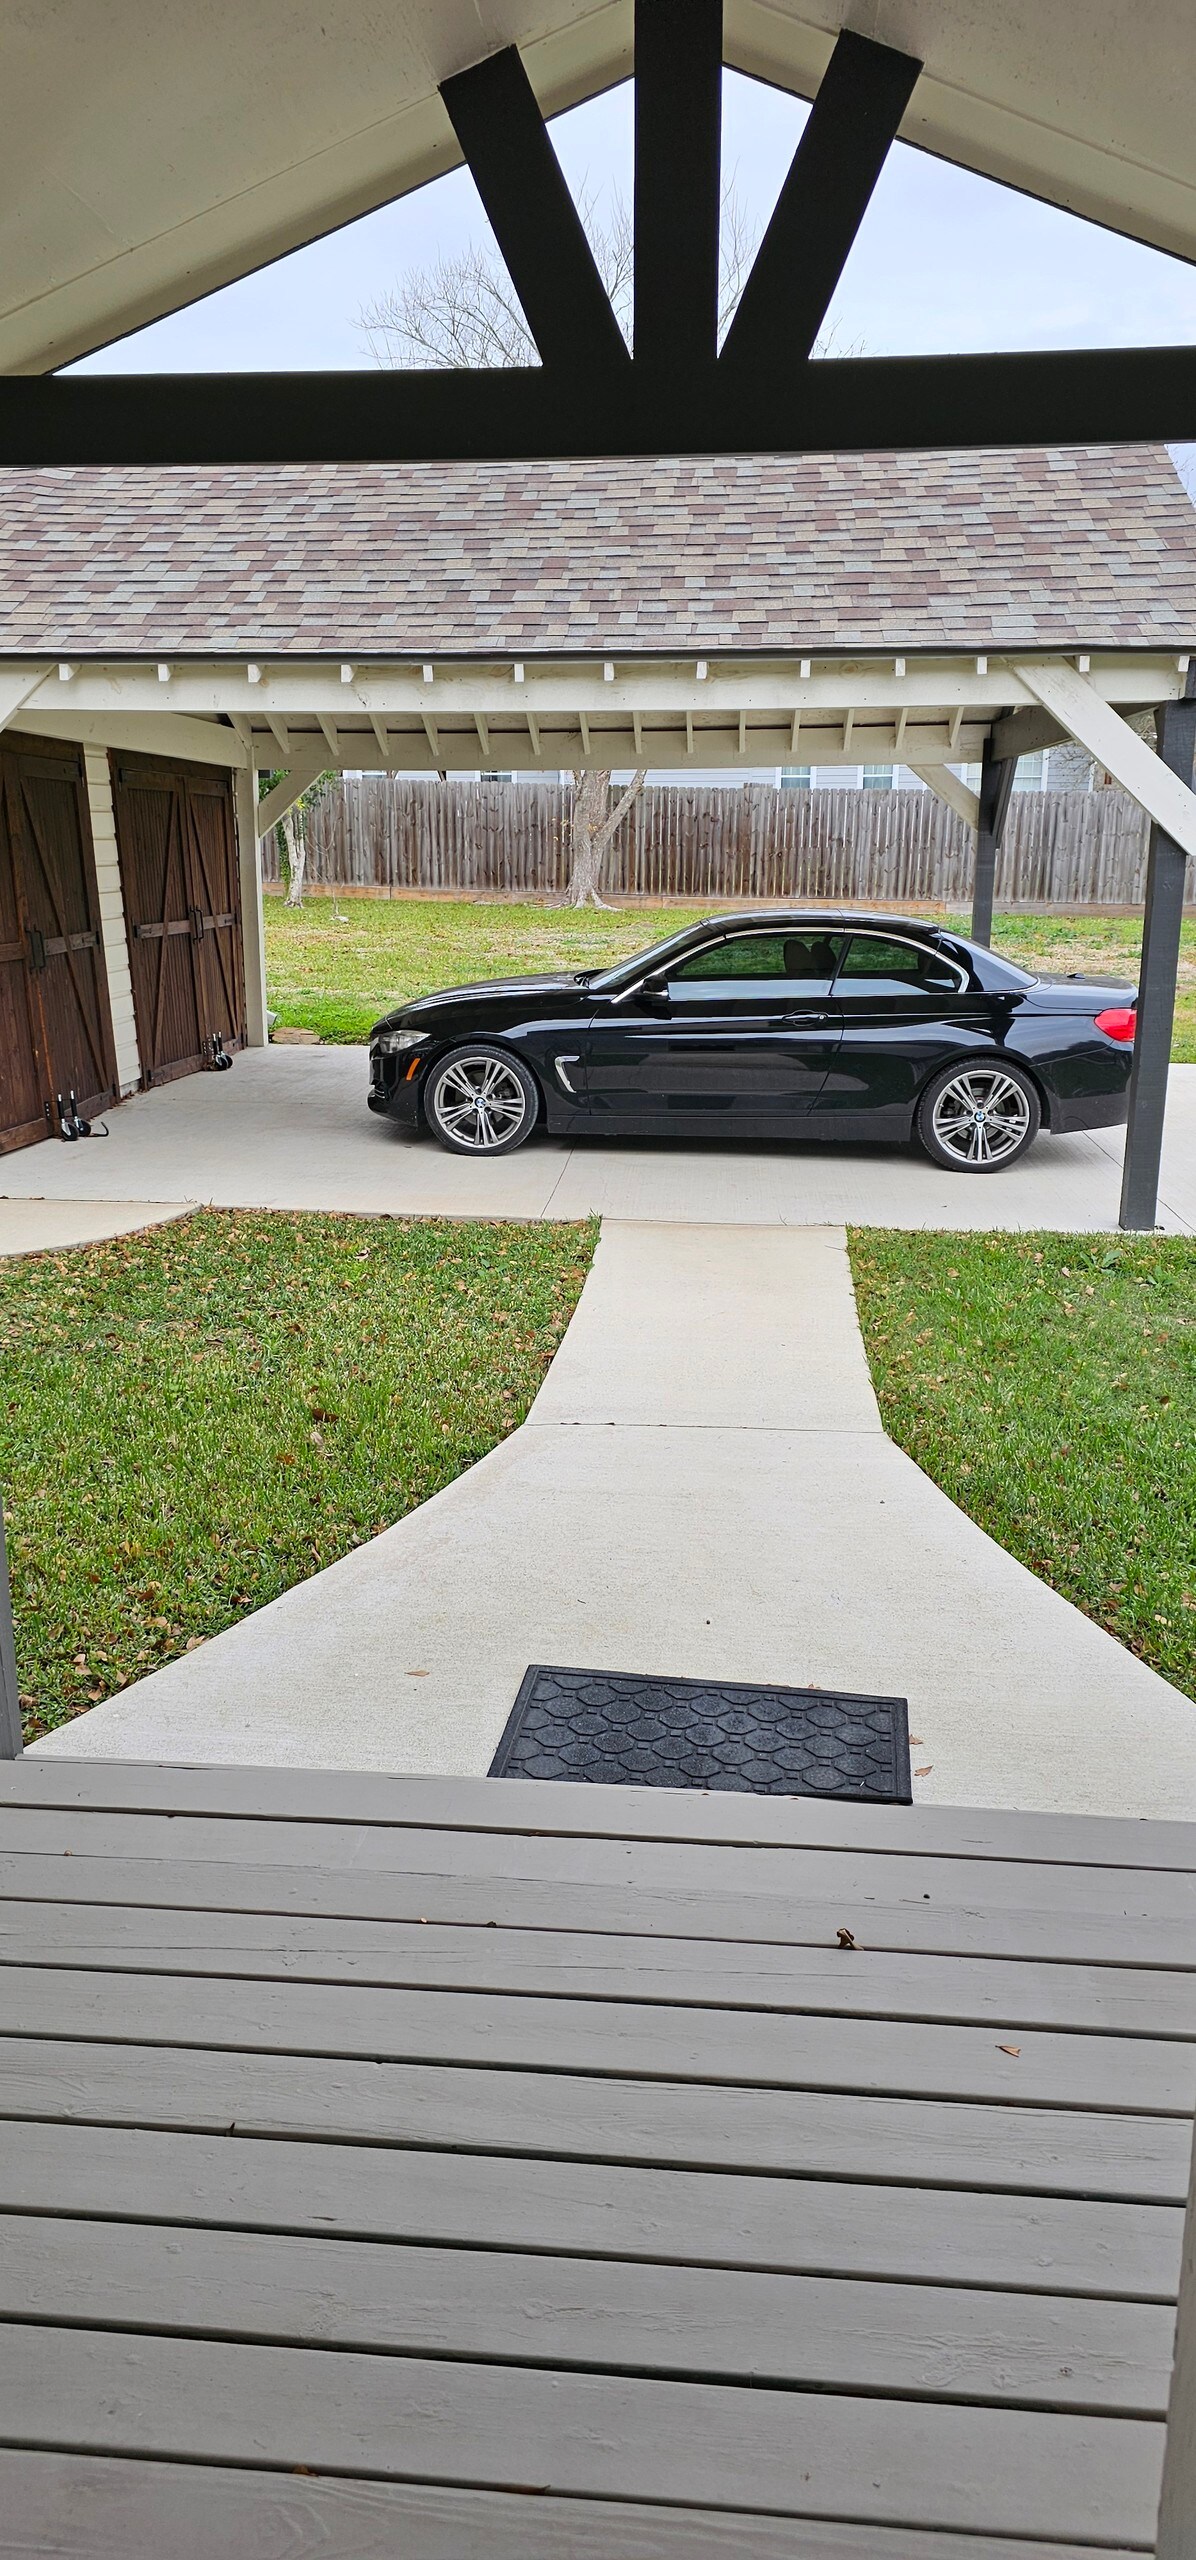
(197, 1418)
(1048, 1384)
(333, 968)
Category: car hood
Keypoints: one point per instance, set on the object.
(424, 1009)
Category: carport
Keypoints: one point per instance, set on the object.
(933, 611)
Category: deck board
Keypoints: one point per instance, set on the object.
(1130, 1932)
(57, 2507)
(799, 2226)
(684, 1973)
(454, 2165)
(1144, 2075)
(622, 1813)
(1031, 2150)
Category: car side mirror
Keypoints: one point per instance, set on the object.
(655, 990)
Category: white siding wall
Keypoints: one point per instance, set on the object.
(112, 920)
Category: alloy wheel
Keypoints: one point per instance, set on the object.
(981, 1117)
(480, 1102)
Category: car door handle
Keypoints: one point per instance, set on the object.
(816, 1021)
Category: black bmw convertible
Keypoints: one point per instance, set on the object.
(768, 1026)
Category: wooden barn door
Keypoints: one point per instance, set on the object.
(177, 843)
(215, 882)
(55, 1023)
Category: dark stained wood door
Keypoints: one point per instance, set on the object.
(55, 1023)
(176, 838)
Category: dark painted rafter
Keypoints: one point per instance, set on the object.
(862, 97)
(678, 195)
(883, 403)
(507, 147)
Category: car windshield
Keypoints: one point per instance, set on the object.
(627, 971)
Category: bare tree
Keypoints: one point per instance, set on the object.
(463, 310)
(593, 827)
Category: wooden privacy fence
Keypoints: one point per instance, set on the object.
(391, 831)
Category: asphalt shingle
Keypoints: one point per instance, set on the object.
(1091, 546)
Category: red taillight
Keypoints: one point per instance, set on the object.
(1119, 1023)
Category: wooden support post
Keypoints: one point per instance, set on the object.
(253, 931)
(10, 1704)
(1177, 2511)
(1165, 882)
(996, 783)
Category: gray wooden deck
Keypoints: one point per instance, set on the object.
(468, 2168)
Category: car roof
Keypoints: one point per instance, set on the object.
(826, 920)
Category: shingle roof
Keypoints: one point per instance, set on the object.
(1089, 546)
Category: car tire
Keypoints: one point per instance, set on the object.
(978, 1116)
(480, 1101)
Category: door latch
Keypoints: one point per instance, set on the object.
(37, 949)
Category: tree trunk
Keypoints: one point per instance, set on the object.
(294, 837)
(590, 833)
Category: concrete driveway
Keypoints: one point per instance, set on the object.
(288, 1129)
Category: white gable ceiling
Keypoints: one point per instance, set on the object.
(156, 149)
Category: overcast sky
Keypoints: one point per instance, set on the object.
(945, 262)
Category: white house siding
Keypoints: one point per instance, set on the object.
(112, 919)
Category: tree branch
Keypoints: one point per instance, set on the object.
(604, 833)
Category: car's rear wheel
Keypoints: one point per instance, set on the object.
(979, 1119)
(480, 1101)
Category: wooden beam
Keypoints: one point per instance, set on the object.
(16, 686)
(166, 733)
(1024, 733)
(291, 788)
(539, 231)
(860, 103)
(951, 788)
(678, 133)
(1094, 724)
(866, 403)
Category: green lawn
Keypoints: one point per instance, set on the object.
(1048, 1384)
(334, 966)
(197, 1418)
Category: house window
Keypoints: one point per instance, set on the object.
(1031, 773)
(796, 777)
(878, 777)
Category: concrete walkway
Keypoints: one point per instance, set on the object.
(289, 1130)
(702, 1487)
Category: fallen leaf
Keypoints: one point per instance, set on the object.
(1013, 2049)
(916, 1743)
(924, 1773)
(845, 1937)
(417, 1675)
(192, 1643)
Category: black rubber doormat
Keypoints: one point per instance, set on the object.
(624, 1729)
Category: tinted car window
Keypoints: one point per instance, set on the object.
(794, 963)
(874, 965)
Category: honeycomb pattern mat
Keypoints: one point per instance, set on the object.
(624, 1729)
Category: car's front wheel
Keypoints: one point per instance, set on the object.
(480, 1101)
(979, 1119)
